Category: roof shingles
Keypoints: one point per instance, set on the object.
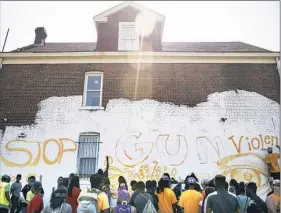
(166, 47)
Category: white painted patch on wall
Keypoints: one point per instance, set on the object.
(146, 138)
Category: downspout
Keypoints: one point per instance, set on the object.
(278, 64)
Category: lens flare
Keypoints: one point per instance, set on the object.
(145, 23)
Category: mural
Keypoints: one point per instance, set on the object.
(146, 138)
(40, 153)
(256, 143)
(125, 148)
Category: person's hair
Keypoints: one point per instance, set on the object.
(58, 198)
(65, 182)
(211, 183)
(95, 180)
(220, 181)
(226, 186)
(18, 176)
(60, 180)
(208, 191)
(71, 175)
(154, 183)
(141, 186)
(100, 172)
(74, 182)
(161, 185)
(232, 189)
(148, 185)
(241, 188)
(133, 182)
(252, 186)
(234, 183)
(106, 181)
(121, 179)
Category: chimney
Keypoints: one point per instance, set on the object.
(40, 36)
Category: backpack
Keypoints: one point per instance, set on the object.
(88, 203)
(178, 190)
(123, 208)
(260, 206)
(58, 210)
(149, 207)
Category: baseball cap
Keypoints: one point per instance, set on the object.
(5, 176)
(270, 149)
(191, 180)
(37, 185)
(165, 177)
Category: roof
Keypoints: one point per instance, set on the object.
(102, 17)
(166, 47)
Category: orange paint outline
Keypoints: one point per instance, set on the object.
(13, 164)
(59, 155)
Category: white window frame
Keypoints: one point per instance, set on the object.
(120, 36)
(87, 75)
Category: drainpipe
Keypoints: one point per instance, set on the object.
(278, 65)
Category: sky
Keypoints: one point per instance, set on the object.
(252, 22)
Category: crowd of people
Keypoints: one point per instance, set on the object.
(189, 196)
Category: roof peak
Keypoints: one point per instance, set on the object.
(103, 17)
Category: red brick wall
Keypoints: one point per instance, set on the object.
(108, 32)
(22, 87)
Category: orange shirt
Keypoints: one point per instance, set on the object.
(103, 202)
(273, 202)
(189, 200)
(166, 200)
(272, 160)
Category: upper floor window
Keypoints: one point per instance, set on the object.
(128, 39)
(93, 89)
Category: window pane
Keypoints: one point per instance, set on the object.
(94, 83)
(87, 166)
(129, 44)
(129, 33)
(88, 154)
(93, 98)
(88, 146)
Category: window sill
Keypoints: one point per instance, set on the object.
(91, 108)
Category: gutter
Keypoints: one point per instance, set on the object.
(134, 57)
(133, 54)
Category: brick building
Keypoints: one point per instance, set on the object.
(152, 106)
